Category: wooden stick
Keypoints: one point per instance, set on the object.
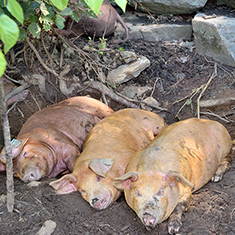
(7, 139)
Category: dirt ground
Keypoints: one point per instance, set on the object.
(174, 74)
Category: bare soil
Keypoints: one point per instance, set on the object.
(175, 72)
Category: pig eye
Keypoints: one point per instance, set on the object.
(24, 154)
(98, 178)
(138, 194)
(83, 192)
(161, 192)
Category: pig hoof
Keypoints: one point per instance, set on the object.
(174, 225)
(216, 178)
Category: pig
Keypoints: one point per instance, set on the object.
(106, 152)
(95, 26)
(9, 87)
(52, 138)
(160, 178)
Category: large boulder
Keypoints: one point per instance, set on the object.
(169, 6)
(214, 37)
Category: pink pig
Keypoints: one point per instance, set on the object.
(52, 138)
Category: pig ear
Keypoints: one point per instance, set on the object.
(17, 147)
(173, 178)
(101, 166)
(65, 184)
(124, 182)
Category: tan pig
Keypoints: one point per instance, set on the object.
(107, 150)
(160, 178)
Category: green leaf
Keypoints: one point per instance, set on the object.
(1, 11)
(33, 18)
(34, 29)
(94, 5)
(16, 10)
(59, 20)
(3, 63)
(22, 34)
(76, 17)
(43, 9)
(188, 102)
(60, 4)
(47, 22)
(66, 12)
(9, 32)
(122, 4)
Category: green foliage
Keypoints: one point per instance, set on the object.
(15, 9)
(122, 4)
(9, 32)
(3, 63)
(19, 16)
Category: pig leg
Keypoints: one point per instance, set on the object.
(174, 222)
(223, 167)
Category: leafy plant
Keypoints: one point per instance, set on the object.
(17, 17)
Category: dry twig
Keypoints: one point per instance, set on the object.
(204, 88)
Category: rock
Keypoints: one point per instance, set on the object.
(135, 92)
(158, 32)
(214, 37)
(230, 3)
(125, 73)
(128, 56)
(169, 6)
(151, 101)
(47, 228)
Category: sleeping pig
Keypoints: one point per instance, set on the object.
(160, 178)
(51, 139)
(106, 152)
(104, 25)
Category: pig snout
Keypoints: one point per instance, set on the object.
(148, 219)
(31, 174)
(150, 214)
(101, 201)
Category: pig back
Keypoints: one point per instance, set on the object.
(193, 148)
(68, 120)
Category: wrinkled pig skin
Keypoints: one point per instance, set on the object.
(52, 138)
(9, 87)
(95, 26)
(160, 178)
(106, 152)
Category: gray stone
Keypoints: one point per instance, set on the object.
(161, 32)
(215, 38)
(126, 72)
(169, 6)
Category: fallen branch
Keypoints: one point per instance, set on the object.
(142, 102)
(216, 115)
(104, 90)
(7, 140)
